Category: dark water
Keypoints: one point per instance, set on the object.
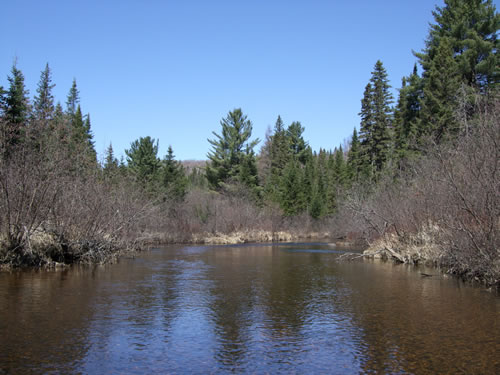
(251, 309)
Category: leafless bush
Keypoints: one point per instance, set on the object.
(454, 188)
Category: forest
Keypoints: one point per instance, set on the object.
(419, 179)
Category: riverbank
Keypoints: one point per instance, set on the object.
(231, 238)
(426, 248)
(44, 250)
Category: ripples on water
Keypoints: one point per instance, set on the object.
(253, 309)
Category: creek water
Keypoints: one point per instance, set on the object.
(288, 308)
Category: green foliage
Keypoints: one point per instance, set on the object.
(437, 117)
(173, 177)
(280, 155)
(232, 158)
(197, 179)
(111, 164)
(16, 108)
(353, 167)
(298, 145)
(81, 135)
(292, 197)
(471, 28)
(73, 99)
(376, 120)
(43, 104)
(143, 162)
(406, 116)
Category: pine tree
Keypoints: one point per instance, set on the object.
(297, 144)
(230, 150)
(471, 28)
(43, 104)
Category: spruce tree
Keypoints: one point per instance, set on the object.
(143, 162)
(319, 199)
(280, 155)
(437, 117)
(89, 138)
(354, 158)
(230, 150)
(292, 198)
(376, 120)
(73, 99)
(406, 116)
(173, 177)
(43, 104)
(16, 110)
(111, 164)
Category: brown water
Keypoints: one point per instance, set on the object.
(251, 309)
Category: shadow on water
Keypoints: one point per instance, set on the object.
(246, 308)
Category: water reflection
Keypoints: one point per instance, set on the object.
(291, 308)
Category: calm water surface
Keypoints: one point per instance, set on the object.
(252, 309)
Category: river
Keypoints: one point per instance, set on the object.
(288, 308)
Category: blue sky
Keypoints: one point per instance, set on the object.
(173, 69)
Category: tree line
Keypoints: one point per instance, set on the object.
(41, 140)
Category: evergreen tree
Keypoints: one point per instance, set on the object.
(230, 150)
(406, 115)
(88, 137)
(264, 159)
(43, 104)
(143, 162)
(280, 155)
(308, 180)
(354, 157)
(319, 199)
(173, 177)
(78, 129)
(471, 28)
(297, 144)
(111, 163)
(292, 197)
(376, 119)
(437, 117)
(280, 149)
(16, 110)
(73, 99)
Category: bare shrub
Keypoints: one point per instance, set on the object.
(448, 200)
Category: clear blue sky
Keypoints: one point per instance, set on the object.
(173, 69)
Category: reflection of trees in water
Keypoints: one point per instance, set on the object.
(136, 305)
(53, 321)
(415, 325)
(44, 319)
(232, 303)
(289, 292)
(262, 294)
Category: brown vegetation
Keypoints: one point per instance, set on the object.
(443, 208)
